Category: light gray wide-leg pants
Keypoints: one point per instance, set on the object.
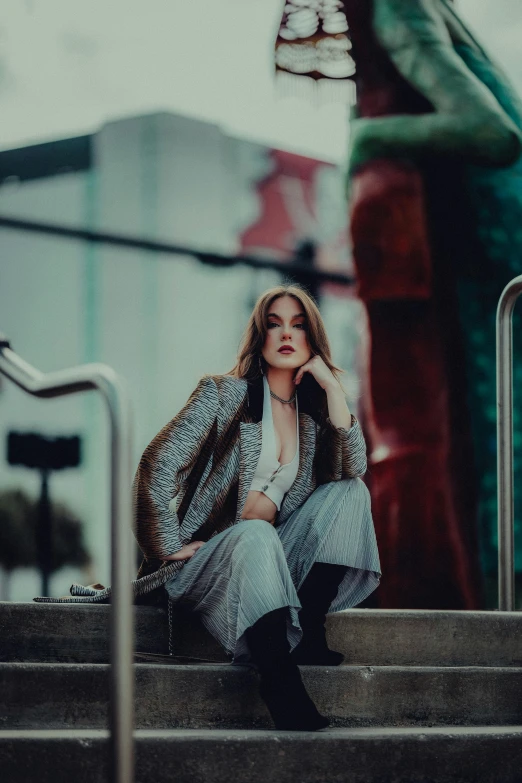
(252, 567)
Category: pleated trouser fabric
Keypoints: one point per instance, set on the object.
(252, 567)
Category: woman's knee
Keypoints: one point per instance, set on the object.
(356, 485)
(256, 544)
(352, 489)
(254, 533)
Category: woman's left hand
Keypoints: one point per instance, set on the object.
(320, 371)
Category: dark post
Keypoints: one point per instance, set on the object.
(44, 533)
(44, 454)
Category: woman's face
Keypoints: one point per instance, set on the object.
(286, 328)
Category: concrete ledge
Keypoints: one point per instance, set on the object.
(378, 637)
(223, 696)
(410, 637)
(488, 755)
(72, 632)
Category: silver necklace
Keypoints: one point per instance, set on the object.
(292, 398)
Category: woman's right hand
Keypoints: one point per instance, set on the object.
(186, 551)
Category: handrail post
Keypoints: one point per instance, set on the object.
(121, 719)
(505, 481)
(103, 379)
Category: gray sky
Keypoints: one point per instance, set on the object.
(67, 66)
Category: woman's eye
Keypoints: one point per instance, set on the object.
(299, 326)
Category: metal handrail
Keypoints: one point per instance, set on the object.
(107, 382)
(505, 481)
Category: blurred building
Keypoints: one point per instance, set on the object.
(160, 320)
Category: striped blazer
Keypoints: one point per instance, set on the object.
(193, 478)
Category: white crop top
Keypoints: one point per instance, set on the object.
(270, 477)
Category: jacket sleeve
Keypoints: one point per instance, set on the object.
(349, 449)
(163, 467)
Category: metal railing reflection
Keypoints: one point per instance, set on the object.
(505, 483)
(104, 380)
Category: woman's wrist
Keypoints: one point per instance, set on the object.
(338, 411)
(333, 387)
(186, 551)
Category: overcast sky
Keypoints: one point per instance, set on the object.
(67, 66)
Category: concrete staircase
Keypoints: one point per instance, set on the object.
(423, 696)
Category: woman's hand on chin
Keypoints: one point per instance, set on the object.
(186, 551)
(320, 371)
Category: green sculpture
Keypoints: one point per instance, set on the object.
(434, 180)
(465, 144)
(435, 53)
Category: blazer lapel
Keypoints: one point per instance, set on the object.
(250, 449)
(303, 484)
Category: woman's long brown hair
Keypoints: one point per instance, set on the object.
(312, 398)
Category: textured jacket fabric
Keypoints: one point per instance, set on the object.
(193, 478)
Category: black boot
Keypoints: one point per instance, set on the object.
(281, 687)
(316, 594)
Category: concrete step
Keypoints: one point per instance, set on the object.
(72, 632)
(378, 755)
(57, 696)
(379, 637)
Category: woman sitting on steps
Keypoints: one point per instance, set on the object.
(250, 503)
